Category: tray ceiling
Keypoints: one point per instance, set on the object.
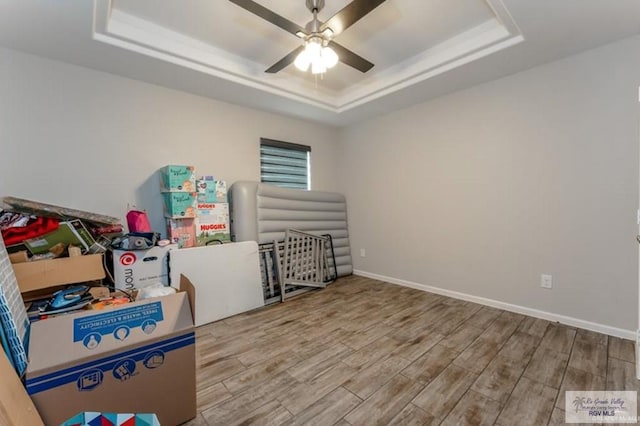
(421, 49)
(405, 40)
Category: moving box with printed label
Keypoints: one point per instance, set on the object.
(132, 358)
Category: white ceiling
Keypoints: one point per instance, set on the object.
(421, 49)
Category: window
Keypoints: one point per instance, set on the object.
(285, 164)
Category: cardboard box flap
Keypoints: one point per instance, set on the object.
(187, 287)
(66, 338)
(16, 408)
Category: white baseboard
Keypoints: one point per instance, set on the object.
(574, 322)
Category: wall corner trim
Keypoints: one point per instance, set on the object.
(549, 316)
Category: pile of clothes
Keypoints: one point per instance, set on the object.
(42, 231)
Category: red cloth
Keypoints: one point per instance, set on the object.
(36, 228)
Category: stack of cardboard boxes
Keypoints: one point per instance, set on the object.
(135, 357)
(212, 212)
(197, 211)
(178, 186)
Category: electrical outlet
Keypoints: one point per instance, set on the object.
(363, 253)
(546, 281)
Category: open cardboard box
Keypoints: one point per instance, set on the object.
(41, 274)
(138, 357)
(15, 406)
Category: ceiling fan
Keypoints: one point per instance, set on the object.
(318, 51)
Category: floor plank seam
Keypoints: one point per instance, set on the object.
(469, 388)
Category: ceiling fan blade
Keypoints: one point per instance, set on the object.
(270, 16)
(352, 59)
(285, 62)
(349, 15)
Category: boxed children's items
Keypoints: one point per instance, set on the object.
(182, 232)
(211, 190)
(177, 179)
(141, 268)
(212, 223)
(206, 189)
(179, 204)
(221, 191)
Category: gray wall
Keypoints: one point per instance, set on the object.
(92, 140)
(482, 191)
(478, 192)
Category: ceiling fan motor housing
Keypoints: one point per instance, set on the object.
(315, 4)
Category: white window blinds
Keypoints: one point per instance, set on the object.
(284, 164)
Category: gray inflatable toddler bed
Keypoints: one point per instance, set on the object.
(262, 213)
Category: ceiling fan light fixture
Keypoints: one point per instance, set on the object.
(318, 66)
(330, 57)
(302, 61)
(316, 54)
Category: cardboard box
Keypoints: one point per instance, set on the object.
(206, 186)
(141, 268)
(182, 232)
(41, 274)
(16, 408)
(213, 209)
(138, 357)
(221, 191)
(211, 190)
(177, 179)
(212, 224)
(179, 205)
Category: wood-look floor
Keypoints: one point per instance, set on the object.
(364, 352)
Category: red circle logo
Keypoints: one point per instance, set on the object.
(127, 259)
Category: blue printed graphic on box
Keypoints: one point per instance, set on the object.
(92, 340)
(117, 323)
(90, 379)
(122, 365)
(154, 359)
(124, 369)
